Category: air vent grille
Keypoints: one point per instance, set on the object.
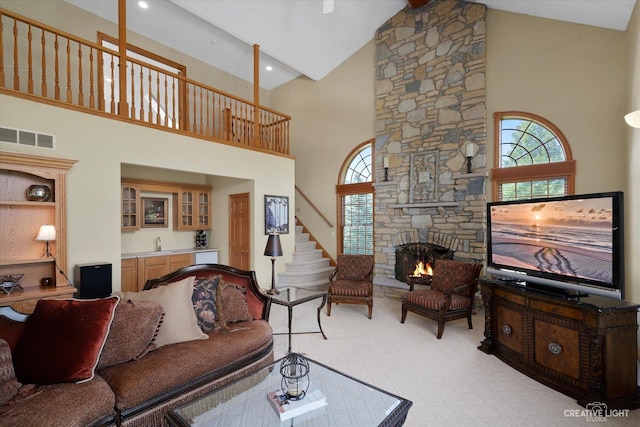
(25, 137)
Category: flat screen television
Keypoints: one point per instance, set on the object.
(572, 245)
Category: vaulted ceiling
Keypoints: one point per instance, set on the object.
(295, 37)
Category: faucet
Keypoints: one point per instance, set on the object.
(158, 244)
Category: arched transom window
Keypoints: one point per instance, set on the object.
(533, 158)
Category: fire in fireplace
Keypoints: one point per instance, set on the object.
(415, 261)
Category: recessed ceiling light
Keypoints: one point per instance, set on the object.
(268, 68)
(143, 4)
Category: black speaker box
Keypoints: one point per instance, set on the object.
(92, 280)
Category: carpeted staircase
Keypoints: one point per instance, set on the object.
(309, 269)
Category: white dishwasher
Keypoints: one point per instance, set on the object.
(206, 257)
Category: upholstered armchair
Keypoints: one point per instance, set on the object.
(453, 287)
(352, 281)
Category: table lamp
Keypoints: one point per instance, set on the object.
(46, 234)
(273, 250)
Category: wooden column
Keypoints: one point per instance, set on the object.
(122, 50)
(256, 95)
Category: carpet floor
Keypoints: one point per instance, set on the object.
(449, 381)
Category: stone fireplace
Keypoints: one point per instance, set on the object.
(417, 259)
(430, 106)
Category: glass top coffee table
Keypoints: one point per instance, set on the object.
(290, 296)
(350, 402)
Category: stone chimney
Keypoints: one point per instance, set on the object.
(430, 105)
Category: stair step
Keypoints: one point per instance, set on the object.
(307, 256)
(308, 266)
(300, 277)
(302, 237)
(305, 246)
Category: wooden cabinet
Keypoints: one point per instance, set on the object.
(192, 209)
(585, 348)
(130, 207)
(129, 275)
(153, 267)
(20, 221)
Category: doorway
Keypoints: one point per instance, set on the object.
(239, 231)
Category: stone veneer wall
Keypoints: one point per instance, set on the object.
(430, 103)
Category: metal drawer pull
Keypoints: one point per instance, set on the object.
(506, 329)
(555, 348)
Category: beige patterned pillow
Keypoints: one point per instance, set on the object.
(180, 323)
(134, 327)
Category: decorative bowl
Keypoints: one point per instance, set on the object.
(38, 193)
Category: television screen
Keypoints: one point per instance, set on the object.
(572, 239)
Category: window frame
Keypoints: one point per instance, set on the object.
(540, 171)
(351, 189)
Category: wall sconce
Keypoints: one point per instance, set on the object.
(469, 152)
(273, 250)
(46, 234)
(385, 163)
(633, 119)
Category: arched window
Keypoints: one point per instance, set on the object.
(355, 201)
(533, 158)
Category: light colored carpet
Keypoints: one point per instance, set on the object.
(449, 381)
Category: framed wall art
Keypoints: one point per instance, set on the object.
(276, 214)
(155, 212)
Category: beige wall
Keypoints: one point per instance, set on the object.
(632, 195)
(572, 75)
(102, 145)
(330, 118)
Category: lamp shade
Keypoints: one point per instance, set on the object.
(633, 119)
(273, 246)
(47, 233)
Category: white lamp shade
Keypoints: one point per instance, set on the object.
(47, 233)
(633, 119)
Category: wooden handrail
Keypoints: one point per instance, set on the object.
(314, 207)
(154, 97)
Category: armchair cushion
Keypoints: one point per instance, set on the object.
(450, 274)
(354, 267)
(353, 288)
(435, 300)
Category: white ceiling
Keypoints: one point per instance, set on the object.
(296, 38)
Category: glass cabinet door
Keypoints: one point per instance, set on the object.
(203, 209)
(187, 209)
(130, 197)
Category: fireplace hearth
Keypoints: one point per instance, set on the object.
(410, 255)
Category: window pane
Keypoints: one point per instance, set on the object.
(357, 228)
(359, 169)
(525, 142)
(523, 190)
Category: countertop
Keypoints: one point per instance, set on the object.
(167, 252)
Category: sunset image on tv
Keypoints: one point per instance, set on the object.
(568, 237)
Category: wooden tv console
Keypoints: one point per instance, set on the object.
(585, 348)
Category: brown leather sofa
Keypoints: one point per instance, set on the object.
(140, 392)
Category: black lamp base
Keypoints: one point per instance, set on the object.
(273, 290)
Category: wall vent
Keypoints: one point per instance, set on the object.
(25, 137)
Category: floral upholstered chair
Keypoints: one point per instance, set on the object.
(352, 281)
(453, 287)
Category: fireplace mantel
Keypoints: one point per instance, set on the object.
(424, 205)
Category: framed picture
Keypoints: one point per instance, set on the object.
(155, 212)
(276, 214)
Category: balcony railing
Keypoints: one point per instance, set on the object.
(44, 63)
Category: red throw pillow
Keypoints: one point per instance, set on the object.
(63, 340)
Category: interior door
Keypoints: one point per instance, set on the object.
(239, 228)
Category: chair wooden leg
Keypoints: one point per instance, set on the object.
(469, 321)
(404, 313)
(329, 308)
(440, 329)
(370, 309)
